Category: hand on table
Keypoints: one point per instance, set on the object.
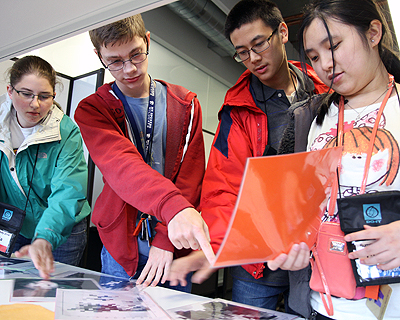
(187, 229)
(384, 251)
(156, 268)
(40, 251)
(297, 259)
(181, 267)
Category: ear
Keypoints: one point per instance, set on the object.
(374, 33)
(100, 57)
(9, 91)
(148, 39)
(283, 32)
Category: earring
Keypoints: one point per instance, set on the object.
(372, 40)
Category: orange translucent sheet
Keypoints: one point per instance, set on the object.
(280, 202)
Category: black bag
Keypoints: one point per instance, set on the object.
(373, 209)
(11, 220)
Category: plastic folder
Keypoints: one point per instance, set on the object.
(281, 201)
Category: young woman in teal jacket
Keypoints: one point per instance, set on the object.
(41, 150)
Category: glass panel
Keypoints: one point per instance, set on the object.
(82, 88)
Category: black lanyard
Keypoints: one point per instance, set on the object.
(149, 122)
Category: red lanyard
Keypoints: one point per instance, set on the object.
(370, 146)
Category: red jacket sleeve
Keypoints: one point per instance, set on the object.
(122, 165)
(188, 174)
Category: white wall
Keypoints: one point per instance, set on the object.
(75, 56)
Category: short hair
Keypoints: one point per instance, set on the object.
(247, 11)
(121, 31)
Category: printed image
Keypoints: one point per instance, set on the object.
(367, 273)
(38, 289)
(220, 309)
(8, 262)
(103, 304)
(385, 155)
(107, 282)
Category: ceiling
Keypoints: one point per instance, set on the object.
(28, 25)
(43, 22)
(292, 13)
(208, 17)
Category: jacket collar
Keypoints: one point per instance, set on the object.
(240, 95)
(46, 131)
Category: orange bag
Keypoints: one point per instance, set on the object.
(332, 272)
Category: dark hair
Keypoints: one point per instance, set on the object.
(32, 65)
(355, 13)
(120, 31)
(247, 11)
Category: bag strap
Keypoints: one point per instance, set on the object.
(391, 84)
(372, 291)
(30, 183)
(327, 304)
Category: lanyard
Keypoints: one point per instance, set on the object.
(149, 122)
(340, 135)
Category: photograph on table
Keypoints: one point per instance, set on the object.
(104, 304)
(30, 289)
(220, 309)
(106, 281)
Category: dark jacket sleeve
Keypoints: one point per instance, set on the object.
(301, 115)
(295, 139)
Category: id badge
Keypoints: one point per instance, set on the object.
(5, 241)
(378, 307)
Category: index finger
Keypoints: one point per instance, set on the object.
(366, 234)
(206, 247)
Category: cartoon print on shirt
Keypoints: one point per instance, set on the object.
(385, 155)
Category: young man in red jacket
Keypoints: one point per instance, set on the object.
(145, 136)
(252, 120)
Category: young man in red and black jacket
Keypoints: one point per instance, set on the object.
(251, 124)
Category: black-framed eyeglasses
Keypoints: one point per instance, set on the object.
(29, 96)
(135, 59)
(257, 48)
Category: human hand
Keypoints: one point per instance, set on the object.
(187, 229)
(297, 259)
(157, 266)
(40, 251)
(384, 251)
(180, 268)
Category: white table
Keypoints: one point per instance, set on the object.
(165, 298)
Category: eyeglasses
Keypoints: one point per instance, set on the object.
(29, 96)
(135, 59)
(257, 48)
